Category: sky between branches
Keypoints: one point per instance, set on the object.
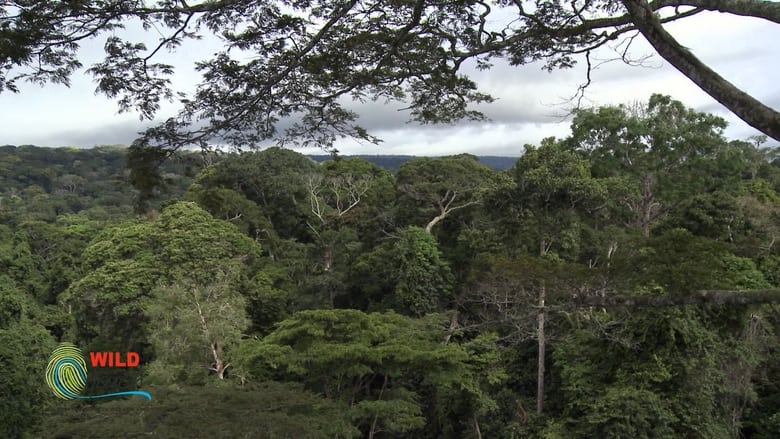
(530, 105)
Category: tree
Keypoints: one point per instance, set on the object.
(193, 327)
(552, 194)
(274, 179)
(511, 296)
(663, 148)
(653, 374)
(24, 348)
(351, 191)
(334, 195)
(384, 366)
(408, 275)
(424, 280)
(124, 264)
(306, 56)
(437, 187)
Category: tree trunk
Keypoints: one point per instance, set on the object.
(434, 221)
(373, 430)
(541, 355)
(327, 261)
(476, 427)
(645, 213)
(219, 365)
(453, 325)
(749, 109)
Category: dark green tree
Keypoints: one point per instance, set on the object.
(25, 346)
(662, 147)
(274, 179)
(431, 190)
(383, 366)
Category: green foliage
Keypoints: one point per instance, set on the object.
(194, 327)
(424, 281)
(628, 412)
(744, 274)
(15, 306)
(666, 152)
(125, 263)
(25, 347)
(193, 242)
(645, 376)
(232, 206)
(770, 268)
(265, 410)
(355, 180)
(408, 275)
(430, 188)
(372, 278)
(268, 298)
(273, 179)
(372, 361)
(678, 261)
(552, 195)
(214, 287)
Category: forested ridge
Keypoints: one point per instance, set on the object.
(633, 266)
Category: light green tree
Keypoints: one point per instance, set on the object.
(194, 326)
(424, 280)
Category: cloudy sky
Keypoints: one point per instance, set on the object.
(529, 106)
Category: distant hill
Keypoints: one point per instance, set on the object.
(393, 162)
(389, 162)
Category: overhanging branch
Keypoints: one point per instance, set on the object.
(709, 297)
(766, 10)
(746, 107)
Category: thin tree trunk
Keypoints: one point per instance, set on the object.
(476, 427)
(327, 260)
(453, 326)
(541, 356)
(373, 431)
(645, 214)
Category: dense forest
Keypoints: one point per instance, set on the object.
(617, 283)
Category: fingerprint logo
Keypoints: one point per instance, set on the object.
(66, 375)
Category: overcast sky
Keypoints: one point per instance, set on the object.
(529, 105)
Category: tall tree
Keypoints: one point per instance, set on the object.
(125, 263)
(431, 190)
(274, 179)
(552, 194)
(193, 327)
(659, 146)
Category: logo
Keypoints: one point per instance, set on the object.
(66, 373)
